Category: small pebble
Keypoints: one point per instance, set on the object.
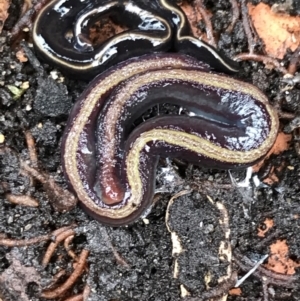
(28, 227)
(146, 221)
(25, 85)
(54, 74)
(208, 229)
(2, 138)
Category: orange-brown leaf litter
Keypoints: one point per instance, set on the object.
(279, 260)
(277, 30)
(268, 223)
(236, 291)
(194, 17)
(281, 144)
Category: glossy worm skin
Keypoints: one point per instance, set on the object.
(61, 35)
(111, 167)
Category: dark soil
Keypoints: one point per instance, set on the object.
(43, 110)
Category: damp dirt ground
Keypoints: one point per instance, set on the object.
(147, 270)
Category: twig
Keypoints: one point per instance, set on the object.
(31, 149)
(219, 291)
(32, 59)
(261, 58)
(240, 281)
(26, 19)
(26, 6)
(52, 294)
(294, 61)
(62, 200)
(235, 15)
(274, 278)
(286, 115)
(252, 41)
(270, 237)
(265, 283)
(205, 185)
(209, 29)
(248, 27)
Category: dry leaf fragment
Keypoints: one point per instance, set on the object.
(279, 32)
(279, 260)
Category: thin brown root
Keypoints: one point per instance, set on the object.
(294, 61)
(209, 29)
(261, 58)
(62, 199)
(32, 149)
(70, 252)
(205, 186)
(86, 292)
(26, 6)
(52, 294)
(51, 248)
(235, 15)
(67, 242)
(81, 297)
(26, 19)
(62, 229)
(286, 115)
(23, 200)
(249, 30)
(120, 260)
(4, 241)
(57, 276)
(24, 242)
(219, 291)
